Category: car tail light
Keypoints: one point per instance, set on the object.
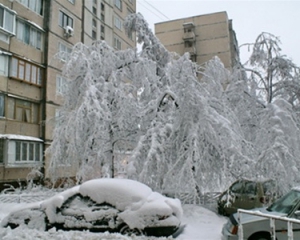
(264, 200)
(234, 229)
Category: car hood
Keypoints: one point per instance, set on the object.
(247, 218)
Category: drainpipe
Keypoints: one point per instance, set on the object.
(47, 16)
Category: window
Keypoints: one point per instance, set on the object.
(117, 43)
(2, 105)
(94, 11)
(7, 20)
(28, 151)
(64, 52)
(29, 34)
(2, 141)
(65, 20)
(118, 4)
(102, 7)
(72, 1)
(34, 5)
(25, 71)
(23, 111)
(94, 34)
(61, 85)
(102, 29)
(102, 17)
(118, 23)
(3, 65)
(94, 23)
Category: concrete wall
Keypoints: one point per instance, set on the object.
(212, 36)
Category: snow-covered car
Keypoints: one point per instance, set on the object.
(256, 227)
(115, 205)
(247, 194)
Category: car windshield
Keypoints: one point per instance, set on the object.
(286, 203)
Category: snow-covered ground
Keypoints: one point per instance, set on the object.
(200, 222)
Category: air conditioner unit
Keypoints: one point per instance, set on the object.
(68, 31)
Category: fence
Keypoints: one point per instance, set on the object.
(24, 198)
(272, 218)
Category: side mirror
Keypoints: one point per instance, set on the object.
(297, 214)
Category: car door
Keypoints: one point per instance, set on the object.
(235, 195)
(249, 196)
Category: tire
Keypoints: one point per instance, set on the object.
(260, 236)
(126, 230)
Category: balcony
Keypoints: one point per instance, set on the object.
(190, 36)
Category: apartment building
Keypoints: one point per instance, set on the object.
(203, 36)
(36, 37)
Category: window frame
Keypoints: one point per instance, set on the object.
(117, 43)
(118, 23)
(35, 76)
(64, 51)
(3, 21)
(33, 6)
(118, 4)
(31, 35)
(61, 85)
(65, 20)
(18, 110)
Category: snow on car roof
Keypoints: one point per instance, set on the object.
(115, 191)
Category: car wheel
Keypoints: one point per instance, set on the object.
(261, 236)
(126, 230)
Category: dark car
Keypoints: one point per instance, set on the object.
(115, 205)
(247, 194)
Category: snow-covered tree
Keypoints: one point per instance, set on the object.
(184, 135)
(275, 74)
(96, 119)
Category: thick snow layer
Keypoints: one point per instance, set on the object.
(117, 192)
(200, 224)
(129, 202)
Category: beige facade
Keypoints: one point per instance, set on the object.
(203, 36)
(32, 33)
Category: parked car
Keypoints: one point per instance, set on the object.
(115, 205)
(247, 194)
(258, 227)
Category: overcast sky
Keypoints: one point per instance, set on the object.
(250, 18)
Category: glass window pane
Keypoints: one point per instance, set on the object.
(35, 113)
(31, 151)
(2, 150)
(37, 152)
(9, 21)
(19, 114)
(39, 76)
(2, 106)
(11, 108)
(24, 151)
(14, 67)
(32, 4)
(33, 74)
(26, 33)
(33, 37)
(27, 72)
(21, 69)
(20, 30)
(18, 151)
(27, 116)
(39, 41)
(1, 16)
(60, 19)
(3, 65)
